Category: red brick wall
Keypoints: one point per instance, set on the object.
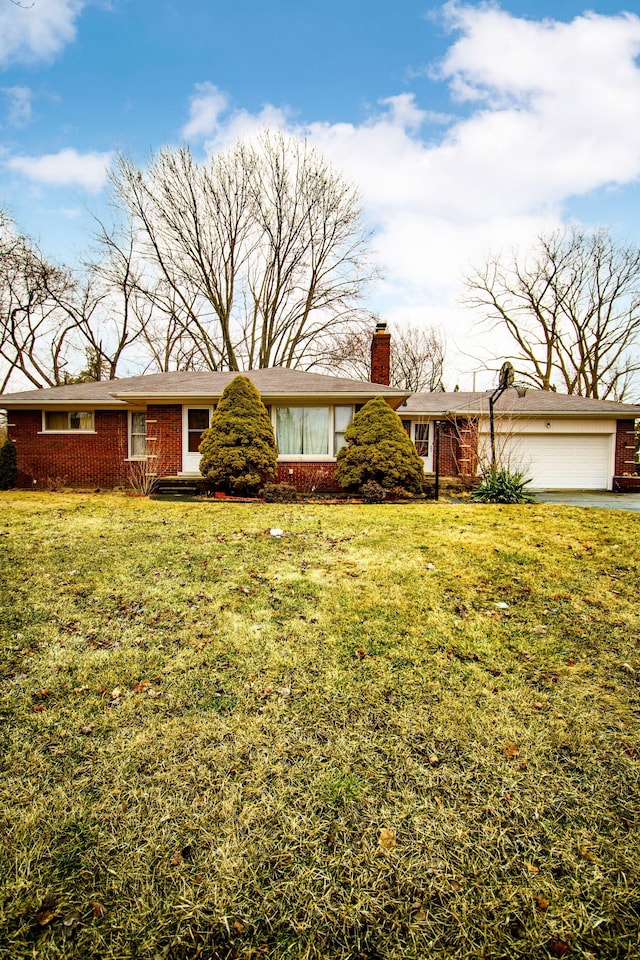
(164, 439)
(309, 477)
(458, 448)
(625, 448)
(72, 459)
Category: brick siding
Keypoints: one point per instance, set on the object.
(625, 448)
(71, 459)
(309, 477)
(164, 439)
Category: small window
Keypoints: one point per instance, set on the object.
(197, 422)
(138, 436)
(66, 420)
(342, 417)
(421, 439)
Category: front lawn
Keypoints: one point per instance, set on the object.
(400, 732)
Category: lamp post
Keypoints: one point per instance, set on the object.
(507, 375)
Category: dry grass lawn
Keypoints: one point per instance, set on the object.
(400, 732)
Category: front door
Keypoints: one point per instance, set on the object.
(422, 438)
(194, 421)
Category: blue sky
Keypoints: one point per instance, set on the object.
(468, 127)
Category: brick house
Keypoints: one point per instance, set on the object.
(96, 434)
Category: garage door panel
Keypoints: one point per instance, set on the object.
(566, 461)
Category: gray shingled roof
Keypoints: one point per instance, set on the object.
(534, 402)
(275, 381)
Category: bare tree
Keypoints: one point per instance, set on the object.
(57, 327)
(253, 258)
(572, 307)
(417, 356)
(34, 335)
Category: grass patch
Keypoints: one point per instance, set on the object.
(393, 732)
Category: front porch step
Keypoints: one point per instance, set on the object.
(187, 486)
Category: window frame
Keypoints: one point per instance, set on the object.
(331, 431)
(130, 455)
(76, 431)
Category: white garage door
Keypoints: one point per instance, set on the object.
(565, 461)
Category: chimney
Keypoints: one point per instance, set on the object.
(381, 355)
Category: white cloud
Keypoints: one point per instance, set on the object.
(66, 168)
(20, 110)
(205, 107)
(37, 32)
(550, 112)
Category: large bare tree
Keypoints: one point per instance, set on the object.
(251, 259)
(417, 356)
(572, 308)
(54, 323)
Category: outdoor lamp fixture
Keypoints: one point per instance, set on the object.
(507, 375)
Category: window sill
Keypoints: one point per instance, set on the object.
(306, 458)
(74, 433)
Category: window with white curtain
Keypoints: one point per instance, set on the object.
(302, 431)
(311, 431)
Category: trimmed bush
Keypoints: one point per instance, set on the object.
(279, 493)
(502, 486)
(8, 465)
(372, 492)
(239, 453)
(377, 448)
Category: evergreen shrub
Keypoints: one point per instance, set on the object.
(377, 448)
(279, 493)
(238, 451)
(8, 465)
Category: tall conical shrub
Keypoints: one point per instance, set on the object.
(8, 465)
(239, 453)
(377, 448)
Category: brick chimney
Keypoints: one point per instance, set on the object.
(381, 355)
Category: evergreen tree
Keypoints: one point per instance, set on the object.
(377, 448)
(239, 453)
(8, 465)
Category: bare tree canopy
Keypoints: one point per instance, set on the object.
(53, 323)
(572, 307)
(251, 259)
(417, 356)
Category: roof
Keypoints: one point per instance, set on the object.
(181, 385)
(535, 402)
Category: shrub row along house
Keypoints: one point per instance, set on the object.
(98, 434)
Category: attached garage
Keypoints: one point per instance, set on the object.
(564, 461)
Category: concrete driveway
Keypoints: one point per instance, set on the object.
(590, 498)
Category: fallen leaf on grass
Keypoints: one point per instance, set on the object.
(88, 730)
(532, 868)
(434, 760)
(387, 839)
(46, 912)
(542, 903)
(559, 948)
(141, 686)
(510, 751)
(237, 926)
(98, 911)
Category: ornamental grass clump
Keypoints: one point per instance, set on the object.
(239, 452)
(500, 485)
(8, 465)
(378, 449)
